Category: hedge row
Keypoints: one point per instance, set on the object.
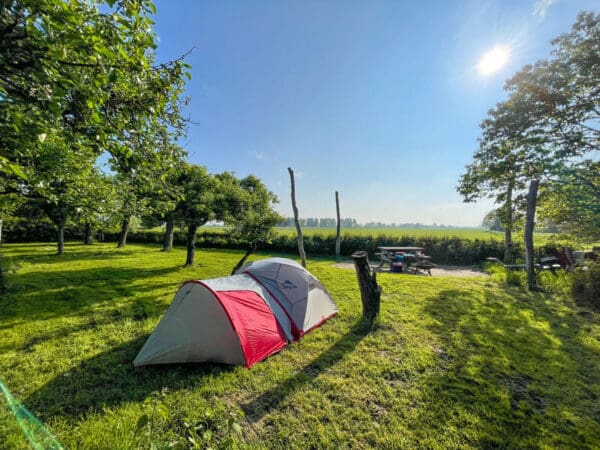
(443, 250)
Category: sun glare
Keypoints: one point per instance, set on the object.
(493, 60)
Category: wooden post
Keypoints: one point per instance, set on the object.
(298, 229)
(338, 239)
(370, 292)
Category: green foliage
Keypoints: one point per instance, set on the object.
(199, 195)
(506, 276)
(572, 202)
(3, 282)
(250, 216)
(79, 79)
(492, 221)
(453, 363)
(585, 285)
(547, 125)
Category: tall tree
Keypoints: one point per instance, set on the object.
(60, 181)
(250, 214)
(550, 120)
(164, 196)
(198, 204)
(493, 174)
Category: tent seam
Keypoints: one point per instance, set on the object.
(296, 332)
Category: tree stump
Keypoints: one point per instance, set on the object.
(370, 292)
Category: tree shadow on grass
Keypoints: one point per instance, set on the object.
(109, 379)
(138, 310)
(260, 406)
(512, 370)
(75, 291)
(46, 252)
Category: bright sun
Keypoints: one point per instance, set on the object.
(493, 60)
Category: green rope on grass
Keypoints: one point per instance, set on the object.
(36, 432)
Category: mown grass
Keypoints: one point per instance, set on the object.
(450, 363)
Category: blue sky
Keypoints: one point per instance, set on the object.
(378, 100)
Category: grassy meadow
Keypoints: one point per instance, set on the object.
(460, 233)
(464, 233)
(450, 363)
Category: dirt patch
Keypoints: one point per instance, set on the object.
(442, 271)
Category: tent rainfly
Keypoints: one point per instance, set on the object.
(241, 319)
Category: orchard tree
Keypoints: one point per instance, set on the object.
(60, 181)
(81, 59)
(249, 214)
(84, 73)
(146, 177)
(164, 197)
(99, 204)
(198, 204)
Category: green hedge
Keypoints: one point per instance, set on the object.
(443, 250)
(454, 251)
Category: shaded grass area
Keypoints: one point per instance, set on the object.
(449, 363)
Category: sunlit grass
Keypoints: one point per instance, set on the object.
(451, 362)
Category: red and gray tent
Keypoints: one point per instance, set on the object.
(240, 319)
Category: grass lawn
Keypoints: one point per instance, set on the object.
(451, 362)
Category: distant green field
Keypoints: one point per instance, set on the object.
(461, 233)
(464, 233)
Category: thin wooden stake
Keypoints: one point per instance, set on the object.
(296, 221)
(338, 238)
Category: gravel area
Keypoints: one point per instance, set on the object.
(445, 271)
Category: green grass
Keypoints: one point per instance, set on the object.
(451, 362)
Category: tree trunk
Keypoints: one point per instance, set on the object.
(88, 238)
(1, 222)
(370, 292)
(338, 238)
(191, 244)
(124, 230)
(3, 284)
(168, 239)
(60, 227)
(508, 225)
(298, 229)
(529, 226)
(242, 261)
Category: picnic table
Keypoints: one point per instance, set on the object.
(414, 259)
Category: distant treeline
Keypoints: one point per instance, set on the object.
(349, 222)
